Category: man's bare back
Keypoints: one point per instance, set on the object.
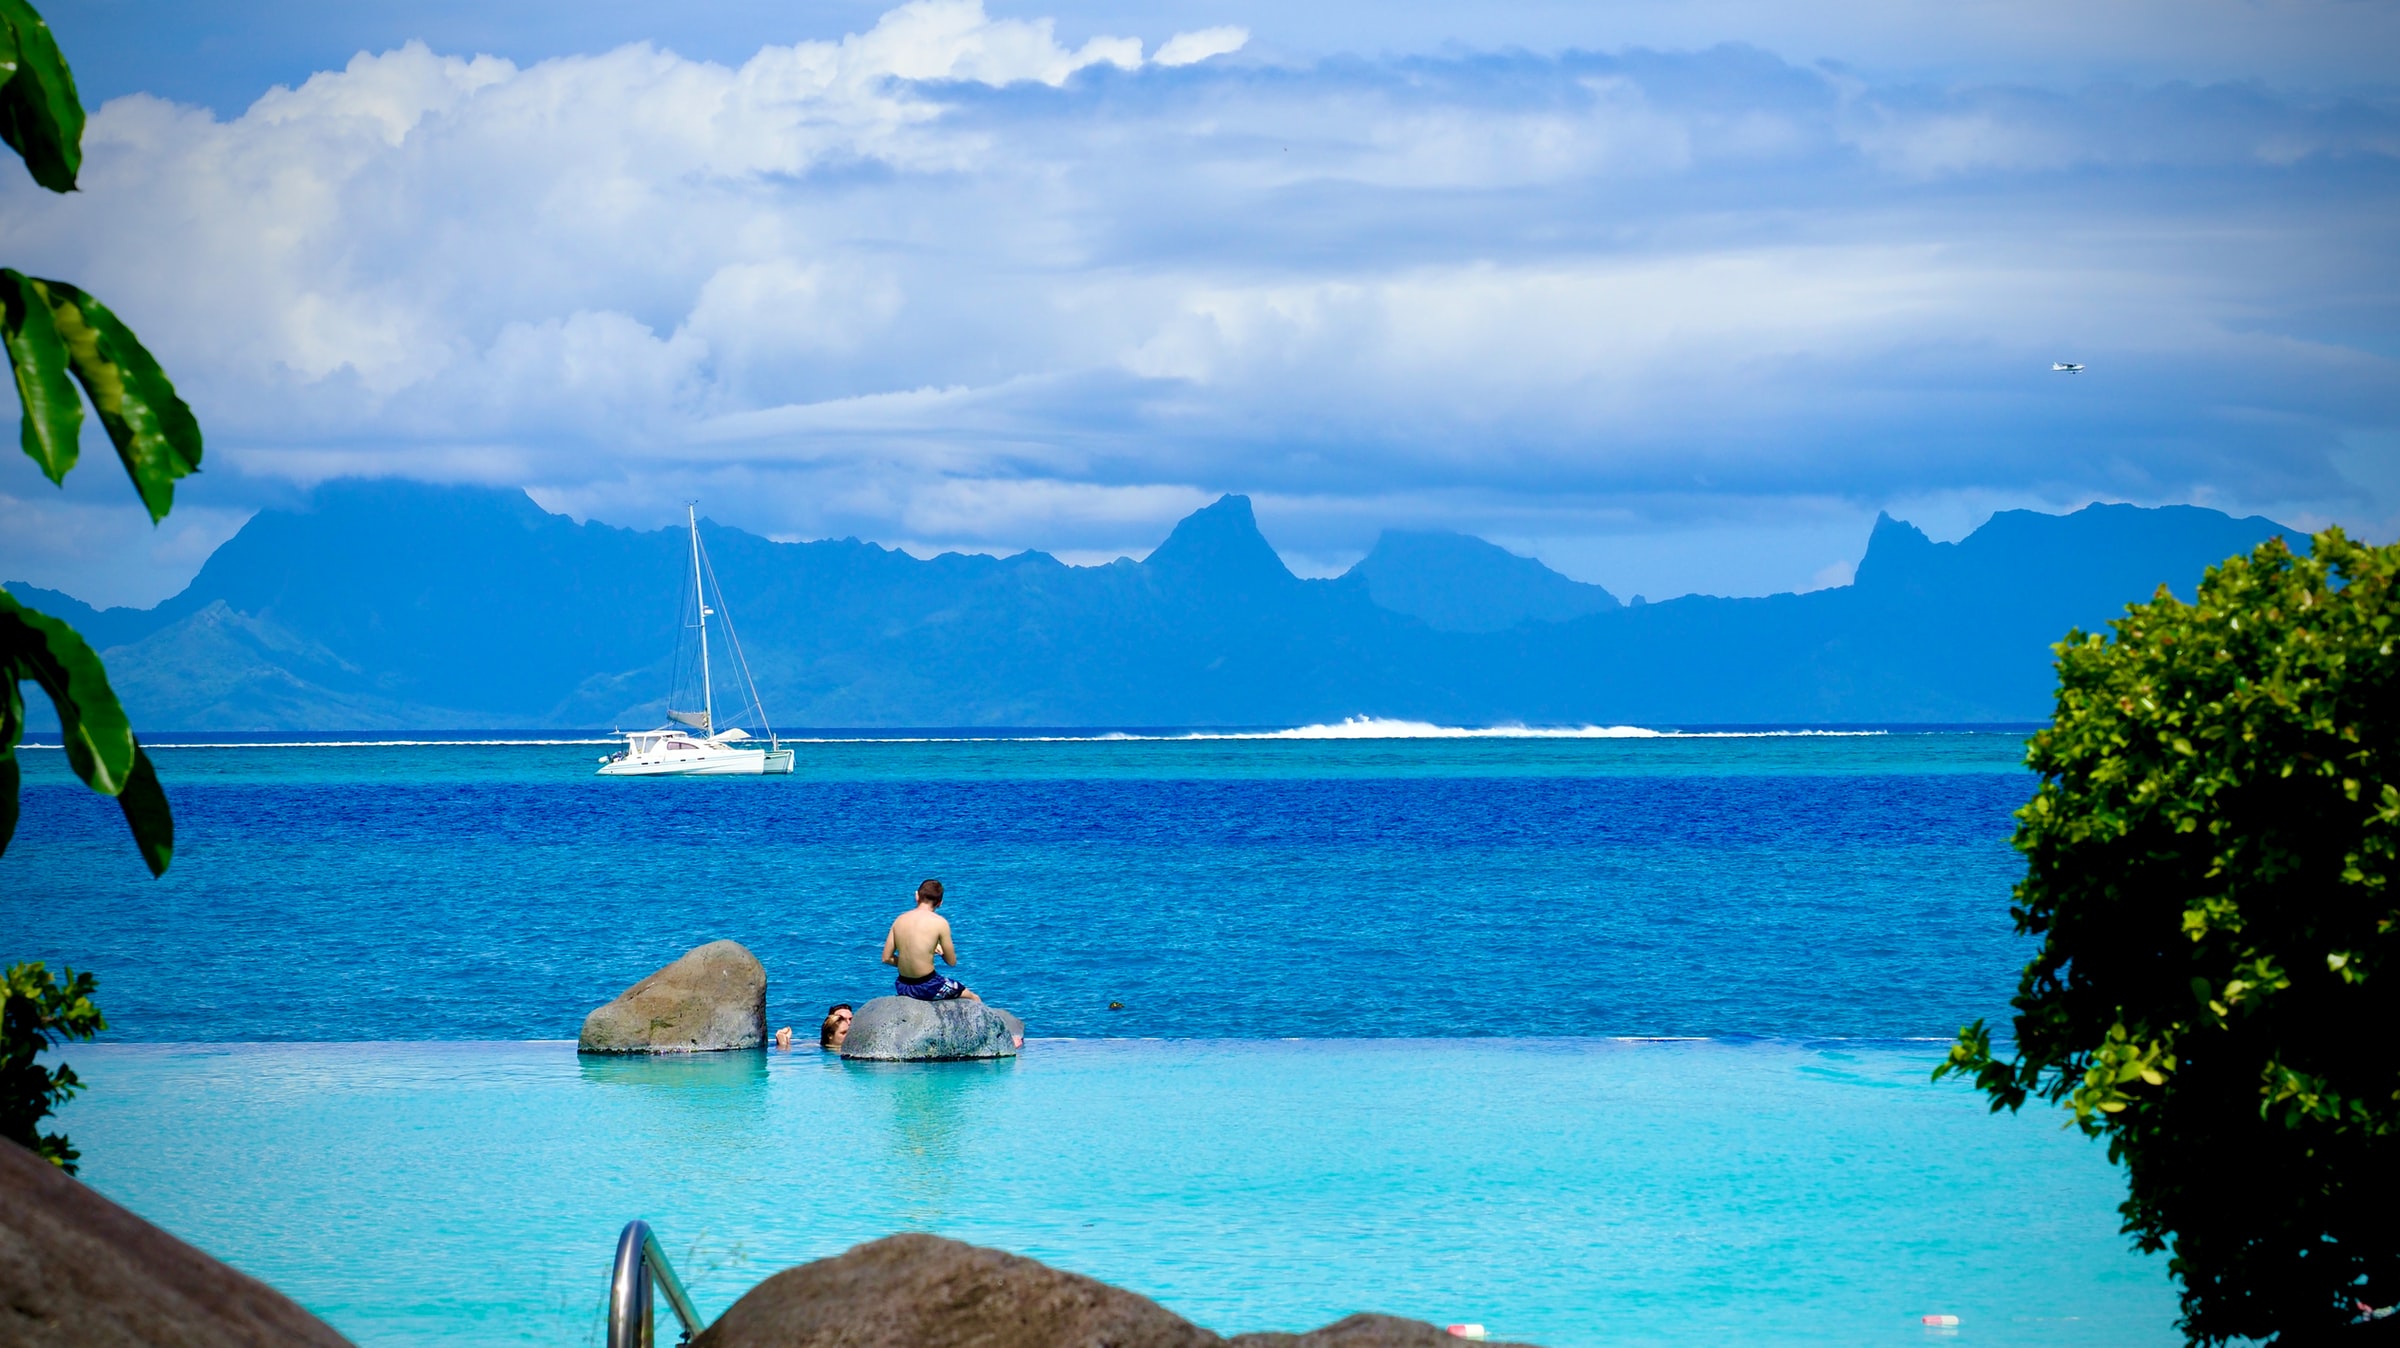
(916, 939)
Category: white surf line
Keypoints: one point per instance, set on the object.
(1377, 728)
(1356, 728)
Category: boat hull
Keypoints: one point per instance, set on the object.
(724, 763)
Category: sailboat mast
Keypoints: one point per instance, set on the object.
(708, 692)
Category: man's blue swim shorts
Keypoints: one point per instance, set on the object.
(931, 988)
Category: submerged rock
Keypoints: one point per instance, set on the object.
(715, 997)
(1363, 1331)
(903, 1029)
(919, 1291)
(77, 1269)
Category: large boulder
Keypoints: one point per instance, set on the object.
(78, 1271)
(715, 997)
(918, 1291)
(904, 1029)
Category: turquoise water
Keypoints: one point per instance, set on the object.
(1372, 1051)
(1570, 1192)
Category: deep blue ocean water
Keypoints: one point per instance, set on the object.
(1380, 1044)
(1780, 886)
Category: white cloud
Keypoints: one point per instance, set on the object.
(1001, 509)
(1192, 48)
(953, 281)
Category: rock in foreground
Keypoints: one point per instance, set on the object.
(76, 1269)
(918, 1291)
(715, 997)
(903, 1029)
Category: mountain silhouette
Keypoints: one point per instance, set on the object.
(1459, 583)
(392, 605)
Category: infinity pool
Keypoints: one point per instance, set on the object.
(1569, 1192)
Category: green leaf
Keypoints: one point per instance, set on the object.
(99, 740)
(156, 435)
(53, 415)
(12, 729)
(8, 798)
(40, 115)
(145, 807)
(12, 706)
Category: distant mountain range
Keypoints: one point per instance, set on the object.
(389, 605)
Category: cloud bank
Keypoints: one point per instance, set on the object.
(1672, 319)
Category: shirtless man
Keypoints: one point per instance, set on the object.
(916, 937)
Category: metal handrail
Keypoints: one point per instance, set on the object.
(639, 1260)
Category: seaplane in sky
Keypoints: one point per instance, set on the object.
(2066, 367)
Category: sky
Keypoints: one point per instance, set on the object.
(1675, 297)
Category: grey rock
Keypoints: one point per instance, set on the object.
(919, 1291)
(714, 998)
(78, 1271)
(1016, 1027)
(903, 1029)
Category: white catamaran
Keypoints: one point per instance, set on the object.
(691, 744)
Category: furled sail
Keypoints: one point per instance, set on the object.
(697, 720)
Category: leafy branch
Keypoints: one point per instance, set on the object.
(59, 337)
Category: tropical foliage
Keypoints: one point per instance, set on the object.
(2210, 866)
(58, 338)
(35, 1014)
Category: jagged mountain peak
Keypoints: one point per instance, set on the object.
(1895, 548)
(1219, 544)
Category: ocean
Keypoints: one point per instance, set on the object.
(1597, 1039)
(1768, 885)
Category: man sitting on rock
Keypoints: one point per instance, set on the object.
(916, 937)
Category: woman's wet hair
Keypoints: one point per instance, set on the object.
(833, 1020)
(930, 892)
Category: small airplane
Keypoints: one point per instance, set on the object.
(2066, 367)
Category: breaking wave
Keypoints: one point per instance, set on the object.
(1381, 728)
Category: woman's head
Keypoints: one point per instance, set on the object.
(836, 1027)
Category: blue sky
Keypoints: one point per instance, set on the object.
(1675, 297)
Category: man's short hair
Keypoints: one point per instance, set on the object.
(930, 892)
(833, 1017)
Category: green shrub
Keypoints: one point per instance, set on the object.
(36, 1012)
(2210, 860)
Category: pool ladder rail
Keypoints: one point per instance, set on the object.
(642, 1265)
